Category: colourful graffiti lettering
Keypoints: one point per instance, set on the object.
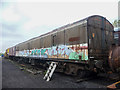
(76, 52)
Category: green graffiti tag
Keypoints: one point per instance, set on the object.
(43, 51)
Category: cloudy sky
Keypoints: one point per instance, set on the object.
(21, 20)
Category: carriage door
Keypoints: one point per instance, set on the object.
(54, 46)
(54, 39)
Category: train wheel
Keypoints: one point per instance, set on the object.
(67, 69)
(71, 69)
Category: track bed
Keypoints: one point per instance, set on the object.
(16, 77)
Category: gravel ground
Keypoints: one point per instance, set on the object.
(14, 77)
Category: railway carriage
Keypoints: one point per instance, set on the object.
(80, 46)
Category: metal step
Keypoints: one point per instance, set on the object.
(50, 71)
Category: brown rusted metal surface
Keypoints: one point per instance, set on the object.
(72, 39)
(114, 58)
(100, 33)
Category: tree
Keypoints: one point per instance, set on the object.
(116, 23)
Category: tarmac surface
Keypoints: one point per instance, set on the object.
(14, 77)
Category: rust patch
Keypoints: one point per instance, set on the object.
(114, 58)
(74, 39)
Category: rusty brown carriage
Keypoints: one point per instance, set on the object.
(89, 40)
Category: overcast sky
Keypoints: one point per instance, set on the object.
(24, 19)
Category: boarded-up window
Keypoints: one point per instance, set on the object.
(35, 43)
(47, 41)
(72, 36)
(60, 37)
